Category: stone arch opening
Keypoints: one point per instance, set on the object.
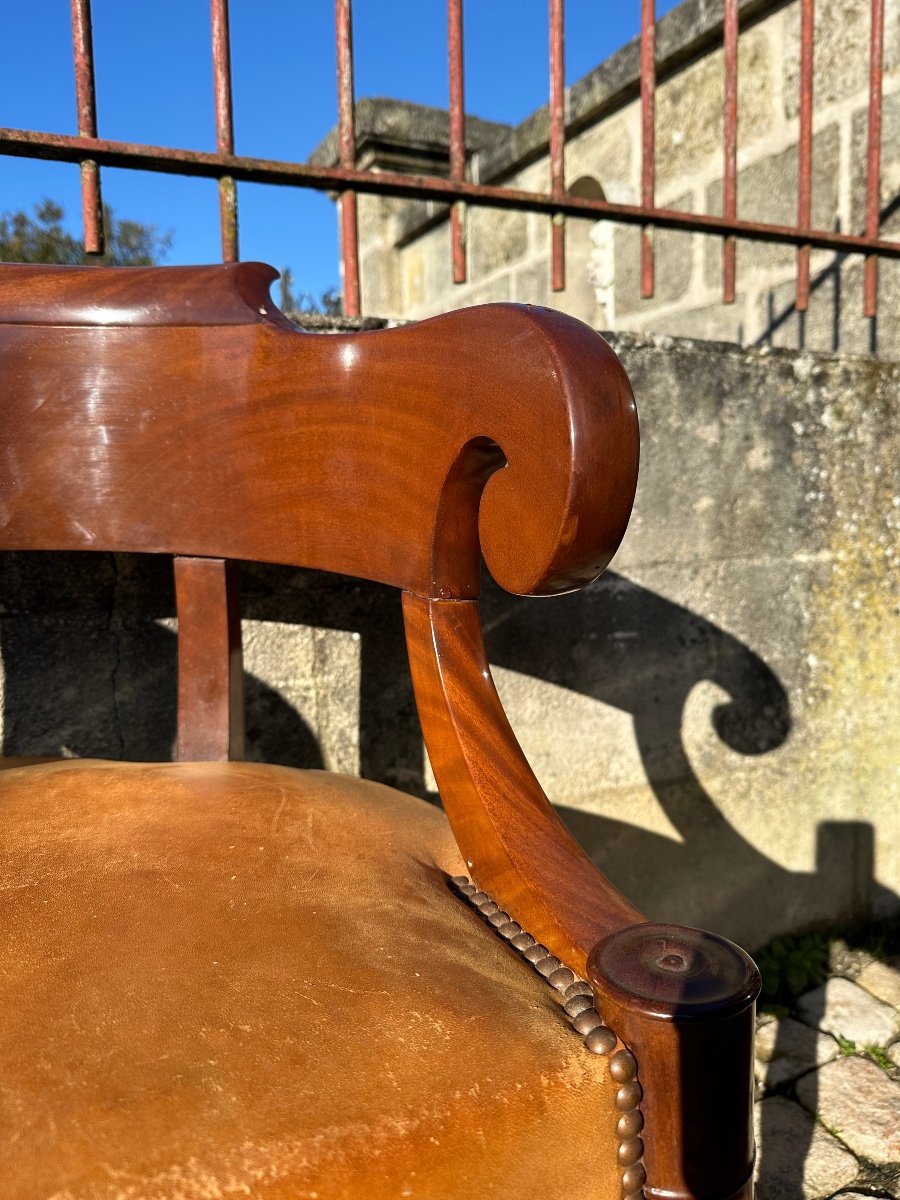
(581, 297)
(586, 187)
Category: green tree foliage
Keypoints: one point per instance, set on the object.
(294, 301)
(43, 238)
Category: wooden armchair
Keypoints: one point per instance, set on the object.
(227, 979)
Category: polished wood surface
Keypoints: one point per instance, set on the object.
(515, 845)
(131, 426)
(210, 662)
(177, 411)
(237, 294)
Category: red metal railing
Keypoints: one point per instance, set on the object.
(457, 135)
(648, 139)
(729, 168)
(804, 169)
(873, 175)
(86, 102)
(228, 168)
(221, 50)
(557, 145)
(347, 142)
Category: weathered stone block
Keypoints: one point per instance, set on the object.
(860, 1103)
(608, 153)
(497, 238)
(712, 322)
(795, 1156)
(767, 191)
(316, 673)
(414, 293)
(532, 283)
(439, 264)
(846, 1010)
(674, 264)
(890, 166)
(689, 108)
(841, 60)
(380, 283)
(497, 289)
(834, 321)
(426, 265)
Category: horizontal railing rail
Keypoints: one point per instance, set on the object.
(348, 180)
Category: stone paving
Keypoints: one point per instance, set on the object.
(828, 1089)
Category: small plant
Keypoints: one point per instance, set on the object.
(878, 1056)
(847, 1046)
(791, 966)
(830, 1129)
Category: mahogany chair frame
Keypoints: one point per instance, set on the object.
(176, 411)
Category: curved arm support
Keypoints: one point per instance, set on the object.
(682, 1000)
(515, 845)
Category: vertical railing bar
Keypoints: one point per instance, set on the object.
(804, 168)
(221, 52)
(648, 139)
(873, 164)
(347, 137)
(457, 135)
(729, 250)
(557, 143)
(86, 102)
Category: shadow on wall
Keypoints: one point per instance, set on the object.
(646, 655)
(829, 278)
(88, 667)
(89, 672)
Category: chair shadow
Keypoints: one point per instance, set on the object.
(615, 641)
(89, 672)
(646, 656)
(86, 660)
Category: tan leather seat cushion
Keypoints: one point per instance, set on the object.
(232, 980)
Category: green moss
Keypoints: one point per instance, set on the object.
(878, 1056)
(791, 966)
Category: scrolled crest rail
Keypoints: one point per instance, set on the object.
(364, 473)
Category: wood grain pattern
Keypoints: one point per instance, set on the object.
(210, 662)
(515, 845)
(236, 294)
(361, 454)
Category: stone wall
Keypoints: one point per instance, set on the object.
(716, 717)
(405, 247)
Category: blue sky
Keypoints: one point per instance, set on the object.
(154, 85)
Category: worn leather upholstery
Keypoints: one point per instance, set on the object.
(232, 980)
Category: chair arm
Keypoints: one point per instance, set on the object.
(515, 845)
(681, 1000)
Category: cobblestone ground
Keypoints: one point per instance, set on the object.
(828, 1088)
